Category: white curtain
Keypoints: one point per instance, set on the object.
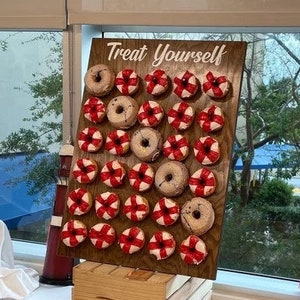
(32, 14)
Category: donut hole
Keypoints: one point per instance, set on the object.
(130, 238)
(141, 175)
(145, 143)
(78, 201)
(119, 109)
(73, 232)
(98, 77)
(192, 249)
(180, 115)
(166, 211)
(150, 112)
(168, 177)
(161, 245)
(118, 141)
(206, 148)
(215, 83)
(174, 145)
(202, 182)
(184, 82)
(210, 115)
(196, 214)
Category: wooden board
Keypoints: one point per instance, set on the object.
(227, 58)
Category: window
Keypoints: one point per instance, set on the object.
(31, 130)
(261, 228)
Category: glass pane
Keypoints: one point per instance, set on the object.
(262, 219)
(30, 129)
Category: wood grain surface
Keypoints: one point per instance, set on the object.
(229, 62)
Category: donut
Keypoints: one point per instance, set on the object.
(150, 114)
(176, 147)
(94, 110)
(122, 112)
(197, 216)
(73, 233)
(171, 178)
(90, 139)
(107, 205)
(79, 201)
(136, 208)
(99, 80)
(207, 150)
(181, 116)
(85, 170)
(162, 245)
(146, 144)
(185, 85)
(113, 173)
(141, 177)
(117, 142)
(131, 240)
(102, 235)
(215, 85)
(192, 250)
(166, 212)
(202, 183)
(127, 82)
(211, 119)
(156, 82)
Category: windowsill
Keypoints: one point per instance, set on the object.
(227, 282)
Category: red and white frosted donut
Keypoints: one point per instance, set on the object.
(132, 240)
(162, 245)
(211, 119)
(113, 173)
(73, 233)
(156, 82)
(166, 212)
(127, 82)
(176, 147)
(94, 110)
(193, 250)
(215, 85)
(181, 116)
(107, 205)
(85, 170)
(202, 183)
(141, 177)
(150, 114)
(207, 150)
(79, 201)
(185, 85)
(102, 235)
(136, 208)
(117, 142)
(90, 139)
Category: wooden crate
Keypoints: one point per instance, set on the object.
(94, 281)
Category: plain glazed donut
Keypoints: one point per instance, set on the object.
(107, 205)
(127, 82)
(146, 144)
(202, 183)
(150, 114)
(176, 147)
(193, 250)
(113, 173)
(99, 80)
(162, 245)
(85, 170)
(197, 216)
(207, 150)
(90, 139)
(171, 178)
(73, 233)
(166, 212)
(79, 201)
(185, 85)
(94, 110)
(122, 112)
(117, 142)
(215, 85)
(181, 116)
(132, 240)
(156, 82)
(136, 208)
(211, 119)
(102, 235)
(141, 177)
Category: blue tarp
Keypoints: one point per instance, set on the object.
(17, 208)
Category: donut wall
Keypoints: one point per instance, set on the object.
(149, 175)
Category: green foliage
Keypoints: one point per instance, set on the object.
(284, 214)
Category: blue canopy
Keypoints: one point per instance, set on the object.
(17, 208)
